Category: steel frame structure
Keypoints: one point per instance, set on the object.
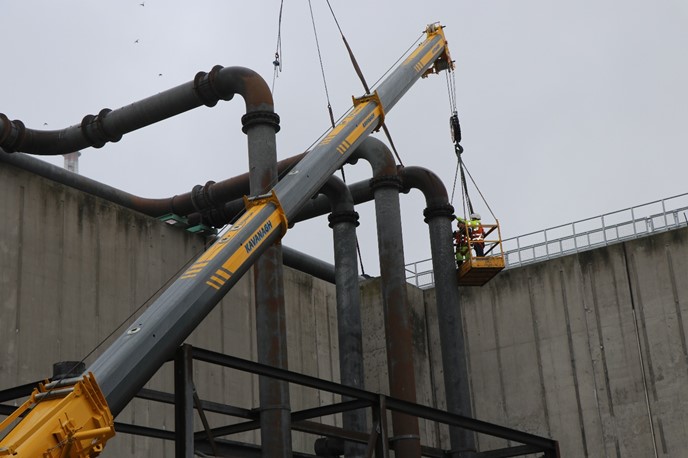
(207, 441)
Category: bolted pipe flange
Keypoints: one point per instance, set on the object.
(6, 128)
(12, 135)
(343, 217)
(216, 217)
(260, 117)
(438, 211)
(93, 130)
(201, 197)
(204, 87)
(387, 181)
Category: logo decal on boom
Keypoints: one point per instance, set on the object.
(258, 236)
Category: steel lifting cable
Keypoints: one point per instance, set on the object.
(322, 71)
(357, 68)
(322, 67)
(478, 189)
(456, 137)
(277, 63)
(455, 129)
(464, 189)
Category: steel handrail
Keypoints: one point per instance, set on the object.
(526, 253)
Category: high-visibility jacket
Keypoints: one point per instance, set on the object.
(475, 230)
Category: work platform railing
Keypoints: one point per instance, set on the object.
(587, 234)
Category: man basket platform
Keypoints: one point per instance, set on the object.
(478, 270)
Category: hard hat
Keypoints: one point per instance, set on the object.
(475, 216)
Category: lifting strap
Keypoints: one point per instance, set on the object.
(357, 68)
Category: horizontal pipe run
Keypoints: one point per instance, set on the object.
(183, 204)
(110, 125)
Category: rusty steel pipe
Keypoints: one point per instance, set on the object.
(271, 328)
(343, 220)
(110, 125)
(386, 186)
(439, 215)
(292, 258)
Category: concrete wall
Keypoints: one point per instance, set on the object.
(74, 267)
(588, 349)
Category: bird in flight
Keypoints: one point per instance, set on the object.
(142, 3)
(136, 41)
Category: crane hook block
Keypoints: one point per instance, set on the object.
(455, 127)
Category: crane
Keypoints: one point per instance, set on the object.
(74, 417)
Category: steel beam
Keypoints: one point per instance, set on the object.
(183, 403)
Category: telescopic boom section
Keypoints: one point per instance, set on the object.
(51, 429)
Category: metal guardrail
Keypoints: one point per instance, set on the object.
(587, 234)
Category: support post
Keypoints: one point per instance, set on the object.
(183, 403)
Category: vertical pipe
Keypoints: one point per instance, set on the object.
(439, 217)
(275, 412)
(402, 380)
(343, 221)
(456, 385)
(183, 403)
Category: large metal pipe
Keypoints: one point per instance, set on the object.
(260, 123)
(439, 215)
(204, 202)
(309, 264)
(271, 315)
(125, 366)
(343, 221)
(386, 185)
(110, 125)
(292, 258)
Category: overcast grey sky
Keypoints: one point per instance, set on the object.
(568, 109)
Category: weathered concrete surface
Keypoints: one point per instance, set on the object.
(73, 268)
(375, 352)
(588, 349)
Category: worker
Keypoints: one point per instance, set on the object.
(476, 233)
(461, 242)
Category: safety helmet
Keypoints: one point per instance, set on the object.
(475, 216)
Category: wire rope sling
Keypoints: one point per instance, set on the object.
(477, 244)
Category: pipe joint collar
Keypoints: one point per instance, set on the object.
(260, 117)
(343, 217)
(438, 211)
(202, 198)
(93, 129)
(387, 181)
(12, 134)
(206, 89)
(215, 217)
